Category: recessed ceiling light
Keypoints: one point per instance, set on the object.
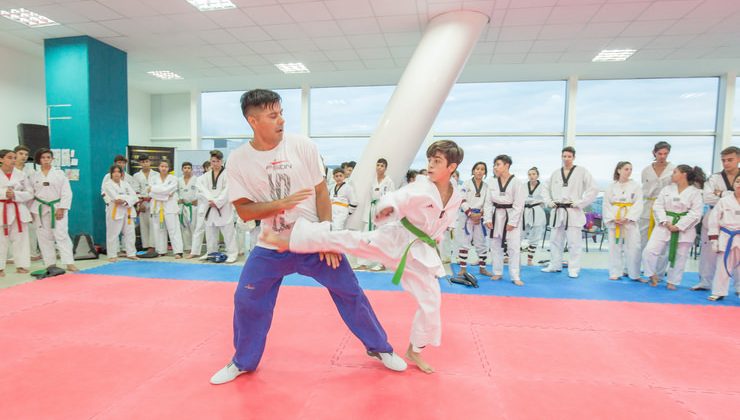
(208, 5)
(165, 75)
(27, 17)
(614, 55)
(292, 68)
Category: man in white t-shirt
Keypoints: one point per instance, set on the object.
(277, 179)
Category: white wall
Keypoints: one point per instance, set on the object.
(22, 93)
(139, 118)
(170, 120)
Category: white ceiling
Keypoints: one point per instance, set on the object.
(362, 42)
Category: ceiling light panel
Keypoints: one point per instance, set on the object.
(614, 55)
(292, 68)
(27, 17)
(165, 75)
(209, 5)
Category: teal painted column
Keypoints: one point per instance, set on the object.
(90, 77)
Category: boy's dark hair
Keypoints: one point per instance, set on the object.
(570, 149)
(337, 171)
(207, 164)
(258, 98)
(661, 145)
(217, 154)
(22, 147)
(351, 164)
(4, 152)
(411, 174)
(343, 165)
(449, 149)
(40, 152)
(730, 150)
(119, 158)
(184, 164)
(164, 161)
(620, 165)
(143, 157)
(503, 158)
(383, 161)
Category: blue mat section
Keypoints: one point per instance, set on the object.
(593, 284)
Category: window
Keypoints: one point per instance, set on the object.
(647, 105)
(600, 155)
(530, 107)
(221, 114)
(336, 150)
(520, 149)
(736, 110)
(344, 111)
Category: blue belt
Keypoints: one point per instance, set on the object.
(728, 248)
(482, 225)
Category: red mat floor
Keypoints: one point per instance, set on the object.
(90, 346)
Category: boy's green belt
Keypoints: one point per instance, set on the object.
(419, 236)
(673, 247)
(51, 204)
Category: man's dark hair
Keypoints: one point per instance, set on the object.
(351, 164)
(730, 150)
(258, 98)
(217, 154)
(570, 149)
(661, 145)
(503, 158)
(143, 157)
(184, 164)
(22, 147)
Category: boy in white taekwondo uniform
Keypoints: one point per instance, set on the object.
(568, 191)
(196, 244)
(411, 222)
(503, 210)
(534, 219)
(342, 200)
(50, 209)
(21, 159)
(654, 178)
(142, 181)
(471, 229)
(15, 193)
(187, 190)
(621, 211)
(717, 186)
(724, 228)
(165, 211)
(120, 214)
(382, 185)
(677, 210)
(216, 210)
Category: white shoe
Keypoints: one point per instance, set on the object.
(377, 268)
(230, 260)
(390, 360)
(573, 274)
(549, 269)
(227, 374)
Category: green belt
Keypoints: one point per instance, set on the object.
(370, 225)
(190, 207)
(53, 210)
(674, 236)
(419, 236)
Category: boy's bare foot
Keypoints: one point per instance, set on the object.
(21, 270)
(112, 259)
(518, 282)
(462, 272)
(671, 286)
(654, 280)
(72, 267)
(530, 261)
(485, 272)
(133, 257)
(2, 273)
(190, 256)
(275, 240)
(36, 258)
(418, 361)
(496, 277)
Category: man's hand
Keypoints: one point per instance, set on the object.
(489, 225)
(332, 259)
(509, 228)
(673, 228)
(10, 194)
(211, 203)
(60, 214)
(294, 199)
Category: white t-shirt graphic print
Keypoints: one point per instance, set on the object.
(264, 176)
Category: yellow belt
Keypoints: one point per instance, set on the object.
(161, 213)
(128, 213)
(622, 206)
(339, 203)
(651, 225)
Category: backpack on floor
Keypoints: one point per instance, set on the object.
(83, 247)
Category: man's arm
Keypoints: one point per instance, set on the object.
(249, 210)
(323, 204)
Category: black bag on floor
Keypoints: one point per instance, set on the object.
(83, 247)
(466, 280)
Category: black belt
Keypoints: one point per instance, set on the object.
(529, 206)
(209, 212)
(561, 206)
(506, 222)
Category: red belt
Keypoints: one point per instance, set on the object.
(5, 216)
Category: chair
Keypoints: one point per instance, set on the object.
(598, 229)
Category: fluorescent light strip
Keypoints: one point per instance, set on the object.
(614, 55)
(28, 18)
(165, 75)
(292, 68)
(209, 5)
